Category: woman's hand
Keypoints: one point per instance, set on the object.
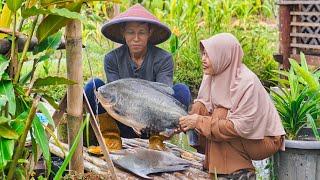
(220, 113)
(188, 122)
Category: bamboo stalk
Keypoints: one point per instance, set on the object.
(23, 137)
(13, 34)
(74, 94)
(13, 56)
(25, 50)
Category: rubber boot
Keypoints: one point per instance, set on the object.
(156, 143)
(110, 133)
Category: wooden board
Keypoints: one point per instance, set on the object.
(293, 2)
(99, 165)
(305, 24)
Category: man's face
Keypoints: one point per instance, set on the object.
(137, 35)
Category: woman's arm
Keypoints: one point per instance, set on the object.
(214, 127)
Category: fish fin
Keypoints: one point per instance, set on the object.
(172, 168)
(140, 173)
(137, 131)
(162, 88)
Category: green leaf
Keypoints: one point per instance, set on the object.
(34, 147)
(51, 42)
(4, 63)
(33, 11)
(52, 80)
(3, 100)
(45, 57)
(53, 23)
(6, 88)
(313, 126)
(5, 76)
(42, 140)
(45, 112)
(23, 161)
(306, 75)
(20, 173)
(67, 13)
(14, 5)
(72, 150)
(25, 77)
(4, 120)
(303, 61)
(6, 151)
(7, 132)
(19, 123)
(45, 2)
(51, 101)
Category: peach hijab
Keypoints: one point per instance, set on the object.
(238, 89)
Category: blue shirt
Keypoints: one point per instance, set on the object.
(157, 65)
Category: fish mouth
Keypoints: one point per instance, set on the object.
(104, 102)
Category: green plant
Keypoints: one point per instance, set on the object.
(298, 99)
(21, 91)
(72, 150)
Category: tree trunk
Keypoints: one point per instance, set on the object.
(74, 93)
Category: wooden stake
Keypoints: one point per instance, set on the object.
(99, 137)
(74, 94)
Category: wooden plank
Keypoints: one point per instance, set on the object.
(294, 39)
(307, 35)
(284, 34)
(290, 2)
(311, 60)
(305, 24)
(300, 13)
(307, 46)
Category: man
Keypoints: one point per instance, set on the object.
(139, 31)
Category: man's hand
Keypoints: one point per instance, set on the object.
(188, 122)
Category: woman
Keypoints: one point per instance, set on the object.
(233, 112)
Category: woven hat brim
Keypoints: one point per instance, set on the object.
(112, 30)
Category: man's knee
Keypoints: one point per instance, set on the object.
(89, 88)
(93, 84)
(182, 94)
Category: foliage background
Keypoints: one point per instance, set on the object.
(253, 22)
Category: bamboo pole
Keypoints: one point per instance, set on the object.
(99, 137)
(74, 93)
(22, 138)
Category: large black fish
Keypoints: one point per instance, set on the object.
(142, 104)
